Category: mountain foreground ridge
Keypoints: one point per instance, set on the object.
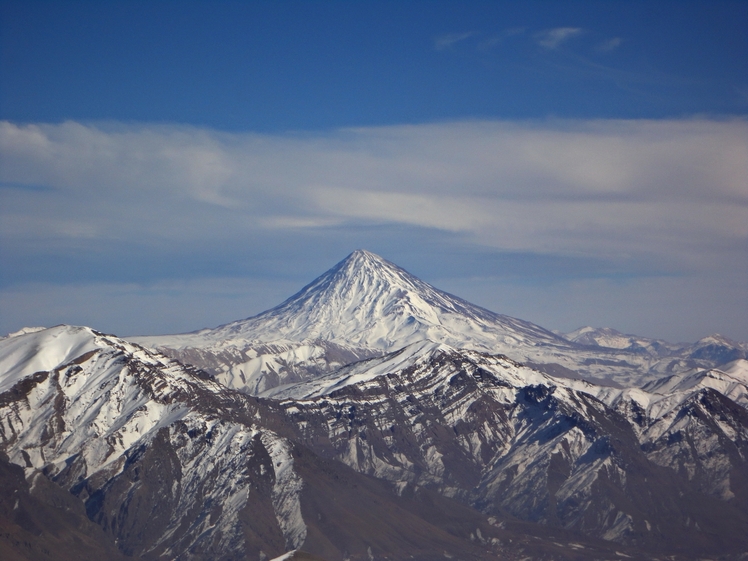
(425, 450)
(386, 420)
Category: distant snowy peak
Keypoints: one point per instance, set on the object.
(718, 349)
(609, 338)
(599, 336)
(731, 380)
(23, 331)
(367, 302)
(366, 306)
(355, 296)
(715, 348)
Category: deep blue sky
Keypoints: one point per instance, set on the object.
(275, 66)
(166, 166)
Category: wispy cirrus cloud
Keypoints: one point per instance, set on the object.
(597, 187)
(609, 44)
(446, 41)
(554, 38)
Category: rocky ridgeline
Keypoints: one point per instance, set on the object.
(387, 427)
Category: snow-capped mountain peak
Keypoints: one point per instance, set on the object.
(367, 302)
(364, 300)
(32, 350)
(362, 307)
(366, 306)
(352, 297)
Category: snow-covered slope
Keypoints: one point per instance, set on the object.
(627, 465)
(731, 380)
(172, 465)
(366, 306)
(22, 354)
(143, 440)
(656, 399)
(368, 302)
(610, 338)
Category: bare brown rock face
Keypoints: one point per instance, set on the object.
(46, 523)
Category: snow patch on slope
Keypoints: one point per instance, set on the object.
(101, 402)
(36, 350)
(286, 491)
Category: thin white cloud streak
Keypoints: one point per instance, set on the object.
(672, 192)
(610, 44)
(443, 42)
(554, 38)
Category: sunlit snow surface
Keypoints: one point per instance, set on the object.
(367, 306)
(433, 367)
(366, 301)
(76, 403)
(21, 354)
(85, 400)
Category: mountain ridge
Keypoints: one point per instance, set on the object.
(366, 306)
(170, 464)
(405, 446)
